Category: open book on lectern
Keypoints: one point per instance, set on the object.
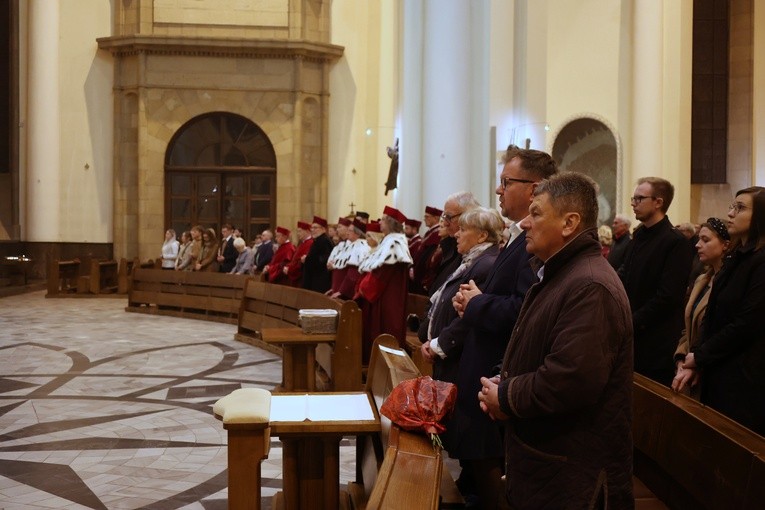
(315, 407)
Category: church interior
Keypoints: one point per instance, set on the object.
(124, 118)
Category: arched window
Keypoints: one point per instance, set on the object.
(586, 145)
(220, 168)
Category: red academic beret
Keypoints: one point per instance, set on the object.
(433, 211)
(394, 213)
(345, 222)
(283, 231)
(320, 221)
(373, 226)
(413, 223)
(303, 225)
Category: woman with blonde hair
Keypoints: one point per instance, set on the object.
(170, 250)
(463, 359)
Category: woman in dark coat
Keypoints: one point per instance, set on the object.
(461, 358)
(731, 352)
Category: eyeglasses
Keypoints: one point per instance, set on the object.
(449, 217)
(639, 198)
(504, 182)
(737, 207)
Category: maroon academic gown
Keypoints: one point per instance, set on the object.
(415, 244)
(421, 266)
(281, 258)
(338, 275)
(295, 266)
(383, 305)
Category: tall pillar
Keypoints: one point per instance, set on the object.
(445, 121)
(647, 140)
(43, 119)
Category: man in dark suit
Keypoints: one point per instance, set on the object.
(655, 275)
(315, 273)
(489, 314)
(265, 251)
(227, 255)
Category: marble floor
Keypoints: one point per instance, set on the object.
(104, 409)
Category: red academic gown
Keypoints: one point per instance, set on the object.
(338, 275)
(281, 258)
(295, 266)
(415, 244)
(421, 268)
(383, 305)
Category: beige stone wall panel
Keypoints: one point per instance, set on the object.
(175, 62)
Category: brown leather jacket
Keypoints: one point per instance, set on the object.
(567, 386)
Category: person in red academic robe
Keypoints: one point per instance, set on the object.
(282, 257)
(294, 270)
(357, 251)
(412, 232)
(430, 240)
(382, 289)
(338, 252)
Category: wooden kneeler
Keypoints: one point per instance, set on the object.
(245, 414)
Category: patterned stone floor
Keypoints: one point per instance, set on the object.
(104, 409)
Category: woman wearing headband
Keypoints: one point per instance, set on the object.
(731, 351)
(713, 244)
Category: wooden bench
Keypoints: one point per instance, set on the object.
(397, 468)
(417, 304)
(196, 295)
(691, 456)
(266, 305)
(62, 276)
(102, 278)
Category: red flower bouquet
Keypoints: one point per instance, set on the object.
(421, 404)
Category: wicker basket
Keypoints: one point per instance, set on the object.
(317, 321)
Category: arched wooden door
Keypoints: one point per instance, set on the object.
(220, 168)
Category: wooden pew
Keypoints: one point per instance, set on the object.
(397, 468)
(417, 304)
(62, 276)
(691, 456)
(196, 295)
(267, 305)
(102, 278)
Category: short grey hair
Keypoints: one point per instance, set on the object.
(624, 219)
(239, 243)
(464, 199)
(486, 220)
(572, 192)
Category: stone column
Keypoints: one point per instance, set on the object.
(444, 121)
(43, 119)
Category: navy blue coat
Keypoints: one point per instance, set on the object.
(487, 324)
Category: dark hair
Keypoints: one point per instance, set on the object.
(227, 225)
(757, 226)
(537, 164)
(572, 192)
(661, 188)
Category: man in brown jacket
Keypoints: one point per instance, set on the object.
(565, 390)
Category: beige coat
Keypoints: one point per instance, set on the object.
(694, 318)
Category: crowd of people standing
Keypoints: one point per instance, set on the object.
(541, 322)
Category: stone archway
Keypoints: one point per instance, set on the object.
(587, 145)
